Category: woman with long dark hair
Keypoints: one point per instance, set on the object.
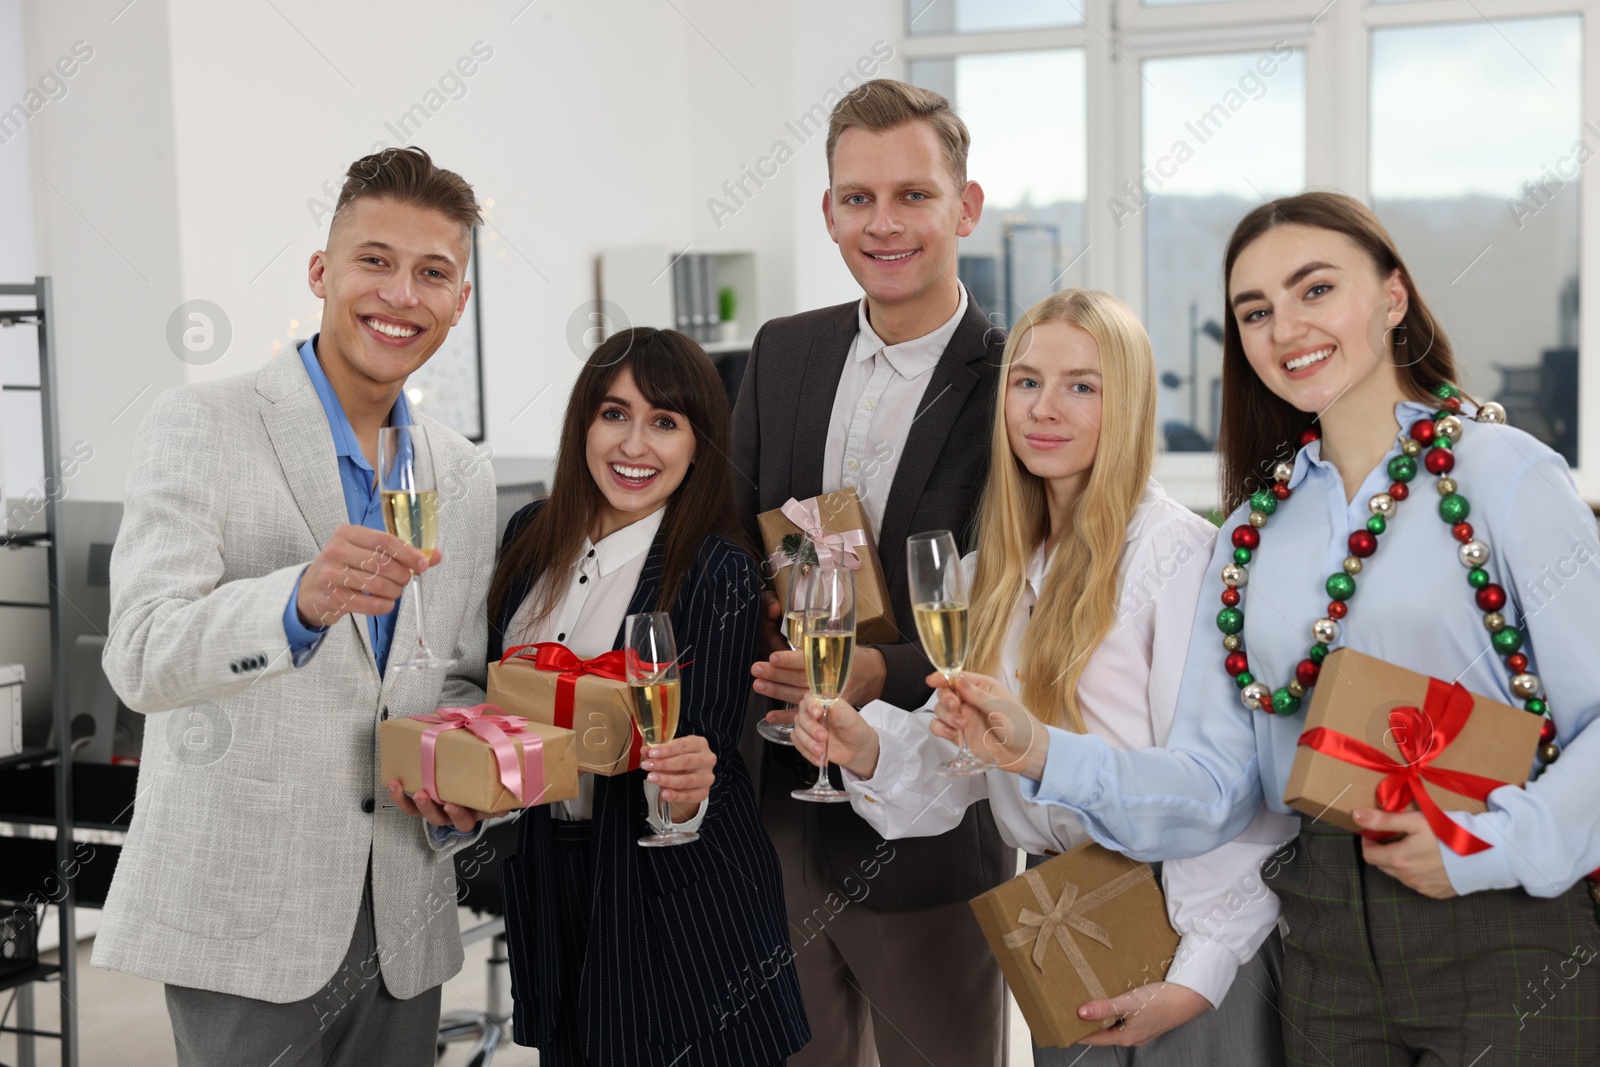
(619, 954)
(1376, 507)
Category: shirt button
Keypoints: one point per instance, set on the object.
(561, 637)
(869, 404)
(582, 578)
(591, 553)
(851, 464)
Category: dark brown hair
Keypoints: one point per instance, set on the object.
(1257, 428)
(410, 176)
(883, 103)
(674, 374)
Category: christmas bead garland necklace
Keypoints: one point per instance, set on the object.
(1436, 435)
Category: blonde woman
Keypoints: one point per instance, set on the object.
(1083, 594)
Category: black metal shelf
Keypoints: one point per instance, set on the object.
(39, 972)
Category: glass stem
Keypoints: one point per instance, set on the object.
(963, 753)
(664, 810)
(416, 594)
(822, 768)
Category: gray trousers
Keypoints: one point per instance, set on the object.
(351, 1021)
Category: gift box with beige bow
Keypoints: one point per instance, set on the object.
(831, 527)
(1086, 925)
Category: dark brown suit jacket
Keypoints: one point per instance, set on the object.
(780, 428)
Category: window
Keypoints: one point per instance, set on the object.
(967, 16)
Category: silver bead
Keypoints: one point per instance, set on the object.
(1490, 412)
(1296, 689)
(1352, 565)
(1326, 631)
(1235, 576)
(1282, 473)
(1258, 519)
(1254, 695)
(1381, 504)
(1232, 642)
(1410, 447)
(1450, 427)
(1494, 622)
(1446, 486)
(1473, 554)
(1525, 686)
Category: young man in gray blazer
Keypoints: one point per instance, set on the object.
(892, 395)
(297, 910)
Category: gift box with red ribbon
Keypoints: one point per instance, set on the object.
(838, 530)
(1380, 736)
(549, 683)
(479, 758)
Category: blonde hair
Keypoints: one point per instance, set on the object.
(883, 103)
(1078, 604)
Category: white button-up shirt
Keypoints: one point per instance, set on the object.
(1128, 693)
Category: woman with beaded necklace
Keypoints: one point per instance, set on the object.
(1405, 951)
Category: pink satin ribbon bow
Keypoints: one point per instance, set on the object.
(836, 548)
(492, 729)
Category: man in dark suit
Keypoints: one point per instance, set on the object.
(892, 395)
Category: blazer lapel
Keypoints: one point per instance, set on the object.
(824, 365)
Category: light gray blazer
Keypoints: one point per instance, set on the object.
(248, 852)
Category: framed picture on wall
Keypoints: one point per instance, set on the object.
(449, 387)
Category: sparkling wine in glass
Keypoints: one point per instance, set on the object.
(411, 512)
(796, 616)
(651, 664)
(828, 644)
(939, 602)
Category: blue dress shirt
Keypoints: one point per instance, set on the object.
(362, 504)
(1412, 607)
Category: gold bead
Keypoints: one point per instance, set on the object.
(1381, 504)
(1282, 473)
(1549, 753)
(1325, 631)
(1525, 685)
(1296, 689)
(1232, 642)
(1494, 622)
(1411, 447)
(1490, 412)
(1258, 519)
(1352, 565)
(1450, 427)
(1447, 486)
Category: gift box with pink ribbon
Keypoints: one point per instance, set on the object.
(832, 527)
(479, 758)
(549, 683)
(1086, 925)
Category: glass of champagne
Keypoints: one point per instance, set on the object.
(828, 644)
(411, 512)
(651, 664)
(796, 613)
(939, 602)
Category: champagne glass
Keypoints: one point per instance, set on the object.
(411, 512)
(828, 644)
(651, 665)
(795, 616)
(939, 602)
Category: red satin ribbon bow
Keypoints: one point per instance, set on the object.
(553, 656)
(1422, 735)
(527, 786)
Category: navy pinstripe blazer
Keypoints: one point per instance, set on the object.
(688, 958)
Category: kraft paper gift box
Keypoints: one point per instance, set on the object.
(479, 758)
(549, 683)
(839, 522)
(1086, 925)
(1380, 736)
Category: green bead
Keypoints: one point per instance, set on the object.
(1444, 391)
(1376, 525)
(1507, 641)
(1241, 556)
(1441, 441)
(1243, 678)
(1319, 652)
(1477, 577)
(1341, 586)
(1454, 508)
(1537, 706)
(1285, 702)
(1263, 501)
(1441, 413)
(1230, 620)
(1402, 468)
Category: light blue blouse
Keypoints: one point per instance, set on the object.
(1412, 607)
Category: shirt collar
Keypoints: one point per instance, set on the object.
(345, 444)
(620, 546)
(1405, 413)
(916, 356)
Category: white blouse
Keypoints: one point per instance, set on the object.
(1128, 693)
(587, 619)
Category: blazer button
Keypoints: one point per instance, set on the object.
(367, 806)
(386, 711)
(234, 666)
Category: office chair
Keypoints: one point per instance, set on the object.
(478, 883)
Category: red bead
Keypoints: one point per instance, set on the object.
(1452, 403)
(1423, 431)
(1399, 491)
(1309, 434)
(1491, 598)
(1439, 461)
(1363, 544)
(1237, 663)
(1516, 663)
(1547, 732)
(1337, 609)
(1246, 537)
(1305, 672)
(1462, 531)
(1280, 490)
(1230, 597)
